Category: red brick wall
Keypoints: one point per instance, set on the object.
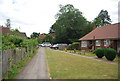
(4, 30)
(113, 44)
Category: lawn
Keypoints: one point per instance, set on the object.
(66, 66)
(90, 54)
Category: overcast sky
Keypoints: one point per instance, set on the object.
(38, 15)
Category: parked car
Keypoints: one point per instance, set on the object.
(55, 46)
(58, 46)
(46, 44)
(39, 44)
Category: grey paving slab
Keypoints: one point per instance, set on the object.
(36, 68)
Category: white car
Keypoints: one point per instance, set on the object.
(46, 44)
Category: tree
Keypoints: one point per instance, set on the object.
(8, 24)
(34, 35)
(102, 19)
(48, 38)
(70, 24)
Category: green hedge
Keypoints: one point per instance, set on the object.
(99, 52)
(74, 45)
(109, 53)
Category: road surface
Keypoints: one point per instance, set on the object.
(36, 68)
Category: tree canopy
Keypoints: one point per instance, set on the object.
(102, 19)
(70, 24)
(34, 35)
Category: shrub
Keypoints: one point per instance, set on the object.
(110, 54)
(75, 45)
(99, 52)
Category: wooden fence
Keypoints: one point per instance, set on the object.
(0, 65)
(12, 56)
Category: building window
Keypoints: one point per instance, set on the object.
(98, 42)
(106, 42)
(84, 44)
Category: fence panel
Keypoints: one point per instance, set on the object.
(5, 63)
(0, 65)
(10, 57)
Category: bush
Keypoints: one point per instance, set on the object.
(99, 52)
(75, 45)
(110, 54)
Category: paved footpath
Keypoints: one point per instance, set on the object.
(36, 68)
(95, 58)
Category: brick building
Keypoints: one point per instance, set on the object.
(105, 36)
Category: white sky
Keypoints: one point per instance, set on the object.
(38, 15)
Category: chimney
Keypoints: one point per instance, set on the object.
(94, 27)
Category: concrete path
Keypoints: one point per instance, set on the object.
(36, 68)
(95, 58)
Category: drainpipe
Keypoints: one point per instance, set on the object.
(93, 42)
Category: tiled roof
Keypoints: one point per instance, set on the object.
(23, 35)
(111, 31)
(42, 36)
(53, 35)
(4, 30)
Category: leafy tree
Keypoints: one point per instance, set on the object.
(48, 38)
(51, 30)
(70, 24)
(11, 42)
(15, 32)
(102, 19)
(8, 24)
(35, 35)
(30, 42)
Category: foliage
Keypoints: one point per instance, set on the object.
(70, 24)
(110, 54)
(12, 41)
(8, 23)
(99, 52)
(15, 69)
(48, 38)
(34, 35)
(74, 45)
(16, 41)
(102, 19)
(30, 42)
(15, 32)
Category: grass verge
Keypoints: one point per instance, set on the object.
(90, 54)
(66, 66)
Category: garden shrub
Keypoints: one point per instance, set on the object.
(74, 45)
(99, 52)
(110, 54)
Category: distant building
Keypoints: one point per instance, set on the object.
(42, 36)
(105, 36)
(53, 35)
(4, 30)
(23, 35)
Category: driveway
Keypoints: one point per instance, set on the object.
(36, 68)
